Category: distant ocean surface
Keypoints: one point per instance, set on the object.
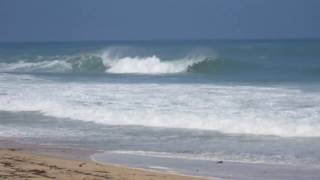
(238, 101)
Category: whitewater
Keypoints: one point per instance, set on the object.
(228, 109)
(195, 101)
(103, 62)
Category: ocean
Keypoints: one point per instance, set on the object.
(177, 106)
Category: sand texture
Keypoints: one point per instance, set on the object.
(18, 164)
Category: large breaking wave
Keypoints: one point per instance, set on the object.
(104, 62)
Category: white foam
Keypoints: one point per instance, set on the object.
(113, 64)
(42, 66)
(119, 64)
(228, 109)
(115, 60)
(147, 65)
(14, 77)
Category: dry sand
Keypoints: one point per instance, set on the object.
(20, 163)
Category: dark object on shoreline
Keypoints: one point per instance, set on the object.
(14, 149)
(219, 162)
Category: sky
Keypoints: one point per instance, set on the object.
(76, 20)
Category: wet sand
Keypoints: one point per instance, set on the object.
(18, 161)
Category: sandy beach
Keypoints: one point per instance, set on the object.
(18, 161)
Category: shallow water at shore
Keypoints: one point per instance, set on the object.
(207, 168)
(192, 152)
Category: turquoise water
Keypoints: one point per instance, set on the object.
(252, 102)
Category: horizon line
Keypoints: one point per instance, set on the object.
(162, 39)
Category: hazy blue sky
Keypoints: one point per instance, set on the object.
(40, 20)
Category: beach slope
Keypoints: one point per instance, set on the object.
(19, 164)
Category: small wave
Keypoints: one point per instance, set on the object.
(42, 66)
(211, 65)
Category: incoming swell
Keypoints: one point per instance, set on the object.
(98, 64)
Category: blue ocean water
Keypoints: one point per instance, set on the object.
(252, 102)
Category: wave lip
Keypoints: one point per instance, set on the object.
(148, 65)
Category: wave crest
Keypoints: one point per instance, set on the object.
(105, 63)
(148, 65)
(42, 66)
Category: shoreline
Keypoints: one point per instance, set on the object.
(34, 161)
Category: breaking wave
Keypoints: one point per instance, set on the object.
(149, 65)
(43, 66)
(104, 62)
